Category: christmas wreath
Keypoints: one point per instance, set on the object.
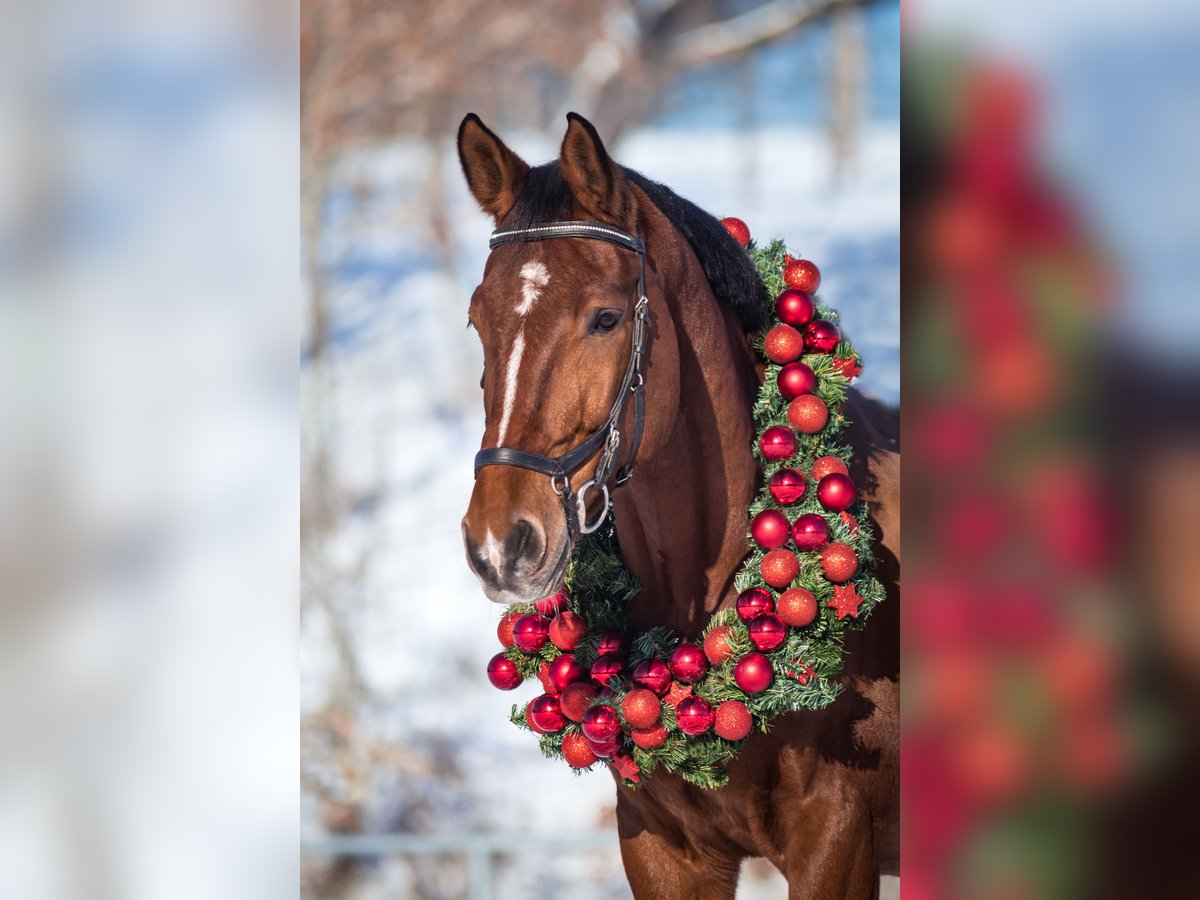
(646, 700)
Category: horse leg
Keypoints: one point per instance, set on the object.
(659, 868)
(836, 858)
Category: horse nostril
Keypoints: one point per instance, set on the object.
(524, 543)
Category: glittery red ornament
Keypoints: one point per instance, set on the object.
(795, 379)
(787, 486)
(835, 491)
(753, 602)
(552, 604)
(779, 567)
(737, 229)
(611, 643)
(530, 633)
(847, 367)
(650, 738)
(821, 336)
(567, 630)
(846, 601)
(797, 607)
(641, 708)
(688, 663)
(502, 673)
(676, 693)
(576, 698)
(839, 562)
(653, 674)
(777, 442)
(769, 529)
(546, 714)
(767, 632)
(795, 307)
(607, 667)
(716, 644)
(576, 752)
(801, 274)
(600, 723)
(826, 465)
(810, 531)
(694, 716)
(733, 720)
(808, 413)
(782, 344)
(504, 629)
(564, 671)
(753, 673)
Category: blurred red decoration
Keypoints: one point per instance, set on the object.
(604, 748)
(653, 674)
(821, 336)
(564, 671)
(576, 698)
(626, 767)
(502, 673)
(769, 529)
(530, 633)
(836, 492)
(737, 229)
(753, 602)
(767, 632)
(839, 562)
(753, 673)
(801, 274)
(606, 668)
(600, 723)
(641, 708)
(552, 604)
(694, 716)
(782, 344)
(810, 532)
(688, 663)
(808, 413)
(848, 367)
(716, 644)
(546, 713)
(777, 442)
(543, 675)
(779, 567)
(795, 379)
(787, 486)
(612, 643)
(797, 607)
(733, 720)
(567, 630)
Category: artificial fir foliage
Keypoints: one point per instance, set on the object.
(599, 589)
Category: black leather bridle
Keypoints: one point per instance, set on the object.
(606, 438)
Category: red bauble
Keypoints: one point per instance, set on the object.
(782, 344)
(767, 632)
(688, 663)
(606, 668)
(737, 229)
(826, 465)
(650, 738)
(611, 642)
(529, 721)
(777, 442)
(795, 379)
(753, 602)
(795, 307)
(530, 633)
(797, 607)
(716, 644)
(564, 671)
(694, 715)
(733, 720)
(504, 629)
(779, 568)
(787, 486)
(502, 673)
(567, 630)
(654, 675)
(839, 562)
(641, 708)
(769, 529)
(821, 336)
(810, 531)
(552, 604)
(808, 413)
(801, 274)
(604, 748)
(848, 367)
(835, 491)
(753, 673)
(600, 723)
(849, 521)
(576, 698)
(576, 752)
(546, 713)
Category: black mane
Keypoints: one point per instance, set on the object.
(545, 197)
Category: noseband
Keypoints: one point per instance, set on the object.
(606, 438)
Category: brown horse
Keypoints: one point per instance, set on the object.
(818, 795)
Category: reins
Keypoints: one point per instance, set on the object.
(607, 437)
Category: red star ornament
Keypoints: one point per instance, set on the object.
(845, 601)
(626, 767)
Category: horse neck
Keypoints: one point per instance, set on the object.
(682, 518)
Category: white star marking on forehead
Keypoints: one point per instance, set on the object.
(534, 277)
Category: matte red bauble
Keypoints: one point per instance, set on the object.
(653, 674)
(600, 723)
(787, 486)
(826, 465)
(835, 491)
(546, 714)
(567, 630)
(543, 675)
(839, 562)
(650, 738)
(694, 716)
(753, 602)
(641, 708)
(576, 751)
(769, 529)
(779, 567)
(782, 344)
(504, 629)
(733, 720)
(738, 230)
(502, 673)
(801, 274)
(716, 644)
(564, 671)
(606, 668)
(560, 599)
(688, 663)
(767, 632)
(808, 413)
(810, 531)
(797, 607)
(795, 379)
(753, 673)
(821, 336)
(795, 307)
(611, 642)
(576, 698)
(530, 632)
(777, 442)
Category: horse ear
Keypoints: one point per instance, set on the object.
(594, 178)
(494, 173)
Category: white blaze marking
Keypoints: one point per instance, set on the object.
(510, 383)
(491, 549)
(535, 277)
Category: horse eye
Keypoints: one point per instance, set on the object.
(606, 321)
